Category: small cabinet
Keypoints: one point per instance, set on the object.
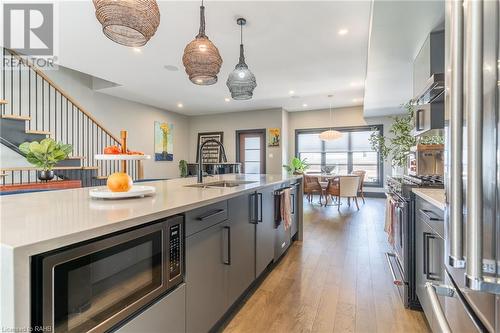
(241, 241)
(264, 217)
(429, 246)
(205, 271)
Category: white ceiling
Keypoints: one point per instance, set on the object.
(399, 29)
(289, 45)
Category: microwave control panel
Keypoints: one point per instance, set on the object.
(175, 254)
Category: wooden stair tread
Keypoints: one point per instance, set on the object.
(76, 158)
(38, 132)
(3, 174)
(101, 177)
(16, 117)
(3, 101)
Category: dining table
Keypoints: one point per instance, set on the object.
(323, 179)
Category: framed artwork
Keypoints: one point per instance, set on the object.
(164, 141)
(274, 135)
(211, 152)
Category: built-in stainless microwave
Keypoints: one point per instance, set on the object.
(96, 285)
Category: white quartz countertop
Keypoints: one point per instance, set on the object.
(434, 196)
(42, 221)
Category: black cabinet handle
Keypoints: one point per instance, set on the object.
(293, 202)
(259, 208)
(211, 214)
(429, 275)
(228, 261)
(253, 208)
(430, 215)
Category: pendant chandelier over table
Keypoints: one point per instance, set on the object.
(201, 57)
(128, 22)
(241, 81)
(331, 134)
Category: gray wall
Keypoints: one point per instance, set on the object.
(351, 116)
(229, 123)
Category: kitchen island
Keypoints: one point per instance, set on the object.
(46, 222)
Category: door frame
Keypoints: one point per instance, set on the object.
(262, 131)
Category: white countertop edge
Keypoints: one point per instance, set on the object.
(37, 247)
(434, 196)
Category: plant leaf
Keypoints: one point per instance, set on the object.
(24, 148)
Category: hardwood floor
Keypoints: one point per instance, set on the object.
(336, 280)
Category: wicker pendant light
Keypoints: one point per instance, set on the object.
(241, 81)
(330, 134)
(128, 22)
(201, 57)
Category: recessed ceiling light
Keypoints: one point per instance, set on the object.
(291, 92)
(355, 100)
(343, 32)
(304, 105)
(171, 68)
(226, 99)
(180, 105)
(137, 49)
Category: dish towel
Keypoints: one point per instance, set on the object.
(286, 209)
(389, 220)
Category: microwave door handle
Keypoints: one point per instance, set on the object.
(474, 87)
(456, 258)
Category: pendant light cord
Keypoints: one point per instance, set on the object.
(331, 123)
(202, 21)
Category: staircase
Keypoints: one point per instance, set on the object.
(34, 107)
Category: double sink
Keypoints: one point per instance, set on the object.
(222, 183)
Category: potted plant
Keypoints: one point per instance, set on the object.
(45, 155)
(183, 168)
(297, 166)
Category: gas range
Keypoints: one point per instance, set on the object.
(402, 186)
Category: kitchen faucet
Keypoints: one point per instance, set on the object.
(200, 156)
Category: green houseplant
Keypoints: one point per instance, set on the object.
(45, 155)
(297, 166)
(183, 168)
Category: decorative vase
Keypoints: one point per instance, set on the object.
(46, 175)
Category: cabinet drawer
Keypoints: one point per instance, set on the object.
(431, 215)
(204, 217)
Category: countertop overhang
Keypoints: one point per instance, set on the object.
(43, 221)
(435, 196)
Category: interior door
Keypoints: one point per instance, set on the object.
(251, 145)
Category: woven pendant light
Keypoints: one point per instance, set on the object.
(330, 134)
(128, 22)
(201, 57)
(241, 81)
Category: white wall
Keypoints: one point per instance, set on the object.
(138, 119)
(229, 123)
(341, 117)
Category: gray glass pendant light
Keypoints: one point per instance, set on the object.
(241, 82)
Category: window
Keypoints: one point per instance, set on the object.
(351, 152)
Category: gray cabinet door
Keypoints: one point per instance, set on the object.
(241, 270)
(295, 205)
(205, 289)
(264, 252)
(167, 315)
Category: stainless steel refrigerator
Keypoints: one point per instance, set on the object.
(469, 298)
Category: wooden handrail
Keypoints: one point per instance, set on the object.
(61, 91)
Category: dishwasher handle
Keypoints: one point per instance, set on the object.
(436, 308)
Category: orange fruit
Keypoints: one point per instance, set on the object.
(119, 182)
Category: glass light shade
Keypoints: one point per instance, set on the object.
(241, 81)
(330, 135)
(128, 22)
(201, 58)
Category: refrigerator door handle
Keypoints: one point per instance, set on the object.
(436, 308)
(473, 20)
(455, 84)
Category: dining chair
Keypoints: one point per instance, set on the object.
(343, 187)
(361, 174)
(311, 187)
